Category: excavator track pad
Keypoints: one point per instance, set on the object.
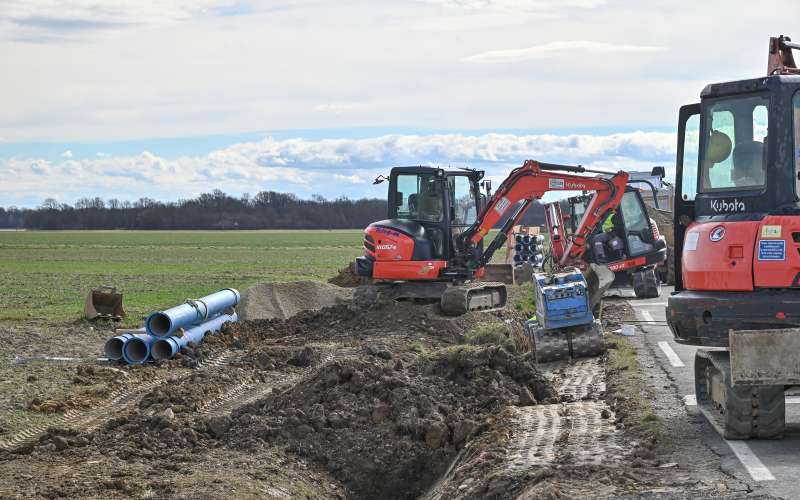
(454, 300)
(736, 411)
(478, 296)
(565, 343)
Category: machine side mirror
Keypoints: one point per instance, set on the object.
(658, 172)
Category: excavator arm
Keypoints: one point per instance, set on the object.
(530, 182)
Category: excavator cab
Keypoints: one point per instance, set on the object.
(441, 203)
(629, 234)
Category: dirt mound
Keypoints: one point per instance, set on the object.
(347, 278)
(284, 300)
(388, 424)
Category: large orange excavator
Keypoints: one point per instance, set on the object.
(737, 246)
(432, 244)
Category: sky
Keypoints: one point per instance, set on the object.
(166, 100)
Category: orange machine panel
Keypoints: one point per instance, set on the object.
(408, 270)
(389, 244)
(719, 255)
(776, 263)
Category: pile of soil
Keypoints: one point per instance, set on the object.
(388, 424)
(346, 278)
(284, 300)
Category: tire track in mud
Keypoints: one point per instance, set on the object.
(578, 431)
(252, 389)
(116, 403)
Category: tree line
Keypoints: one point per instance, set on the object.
(215, 210)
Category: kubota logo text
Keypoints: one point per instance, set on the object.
(734, 205)
(386, 247)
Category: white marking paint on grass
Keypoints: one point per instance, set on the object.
(673, 358)
(757, 470)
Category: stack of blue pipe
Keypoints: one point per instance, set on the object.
(165, 333)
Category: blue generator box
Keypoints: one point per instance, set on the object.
(562, 299)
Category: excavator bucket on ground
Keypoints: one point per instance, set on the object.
(104, 303)
(599, 279)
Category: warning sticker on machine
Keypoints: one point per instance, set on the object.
(556, 183)
(502, 205)
(771, 232)
(771, 250)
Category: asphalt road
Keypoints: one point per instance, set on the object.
(775, 464)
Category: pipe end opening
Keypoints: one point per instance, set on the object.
(136, 351)
(113, 349)
(159, 324)
(161, 349)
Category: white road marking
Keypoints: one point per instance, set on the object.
(646, 315)
(792, 400)
(648, 304)
(673, 358)
(758, 471)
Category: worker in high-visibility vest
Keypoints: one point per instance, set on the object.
(607, 241)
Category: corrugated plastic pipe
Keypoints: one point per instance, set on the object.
(162, 324)
(115, 345)
(167, 348)
(136, 350)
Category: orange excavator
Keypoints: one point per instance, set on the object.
(737, 246)
(432, 245)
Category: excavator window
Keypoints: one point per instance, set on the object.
(419, 197)
(462, 194)
(734, 155)
(637, 224)
(691, 155)
(796, 106)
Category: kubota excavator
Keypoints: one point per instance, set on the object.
(737, 246)
(431, 246)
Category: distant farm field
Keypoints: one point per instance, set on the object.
(46, 275)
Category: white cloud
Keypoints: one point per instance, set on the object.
(517, 5)
(309, 166)
(66, 154)
(338, 108)
(553, 49)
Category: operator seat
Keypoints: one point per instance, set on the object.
(748, 163)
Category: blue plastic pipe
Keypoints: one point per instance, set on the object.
(162, 324)
(115, 345)
(136, 350)
(167, 348)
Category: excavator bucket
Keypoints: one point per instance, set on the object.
(501, 273)
(599, 279)
(104, 302)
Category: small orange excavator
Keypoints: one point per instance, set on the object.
(431, 247)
